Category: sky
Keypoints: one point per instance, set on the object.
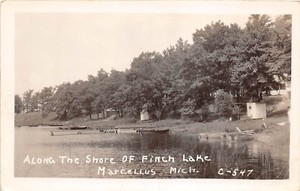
(52, 48)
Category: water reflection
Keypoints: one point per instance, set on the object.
(229, 159)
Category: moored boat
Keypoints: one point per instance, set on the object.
(227, 136)
(142, 131)
(73, 127)
(245, 137)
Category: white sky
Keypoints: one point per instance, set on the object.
(52, 48)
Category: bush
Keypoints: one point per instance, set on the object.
(188, 109)
(224, 104)
(203, 113)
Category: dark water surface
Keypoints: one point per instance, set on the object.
(167, 155)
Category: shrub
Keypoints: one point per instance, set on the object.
(188, 109)
(224, 104)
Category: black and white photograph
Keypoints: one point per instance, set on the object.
(150, 91)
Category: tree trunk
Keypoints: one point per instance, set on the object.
(238, 97)
(259, 94)
(174, 109)
(121, 113)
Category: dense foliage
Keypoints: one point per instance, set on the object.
(224, 104)
(224, 64)
(18, 104)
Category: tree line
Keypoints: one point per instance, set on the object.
(225, 64)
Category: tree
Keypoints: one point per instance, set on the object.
(46, 101)
(251, 69)
(35, 102)
(145, 83)
(100, 101)
(64, 98)
(185, 78)
(174, 58)
(114, 82)
(18, 104)
(27, 100)
(281, 52)
(102, 75)
(82, 97)
(206, 67)
(86, 95)
(213, 50)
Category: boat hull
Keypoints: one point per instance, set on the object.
(226, 136)
(73, 127)
(245, 137)
(144, 131)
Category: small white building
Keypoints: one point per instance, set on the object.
(256, 110)
(109, 112)
(144, 115)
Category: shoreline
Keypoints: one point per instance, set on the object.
(274, 131)
(173, 124)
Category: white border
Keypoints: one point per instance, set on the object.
(9, 8)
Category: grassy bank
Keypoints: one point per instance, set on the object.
(276, 109)
(35, 119)
(276, 134)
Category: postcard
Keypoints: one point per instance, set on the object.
(149, 95)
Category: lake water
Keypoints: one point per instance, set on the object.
(129, 155)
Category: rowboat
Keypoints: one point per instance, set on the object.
(245, 137)
(110, 131)
(54, 124)
(72, 127)
(142, 131)
(240, 136)
(125, 131)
